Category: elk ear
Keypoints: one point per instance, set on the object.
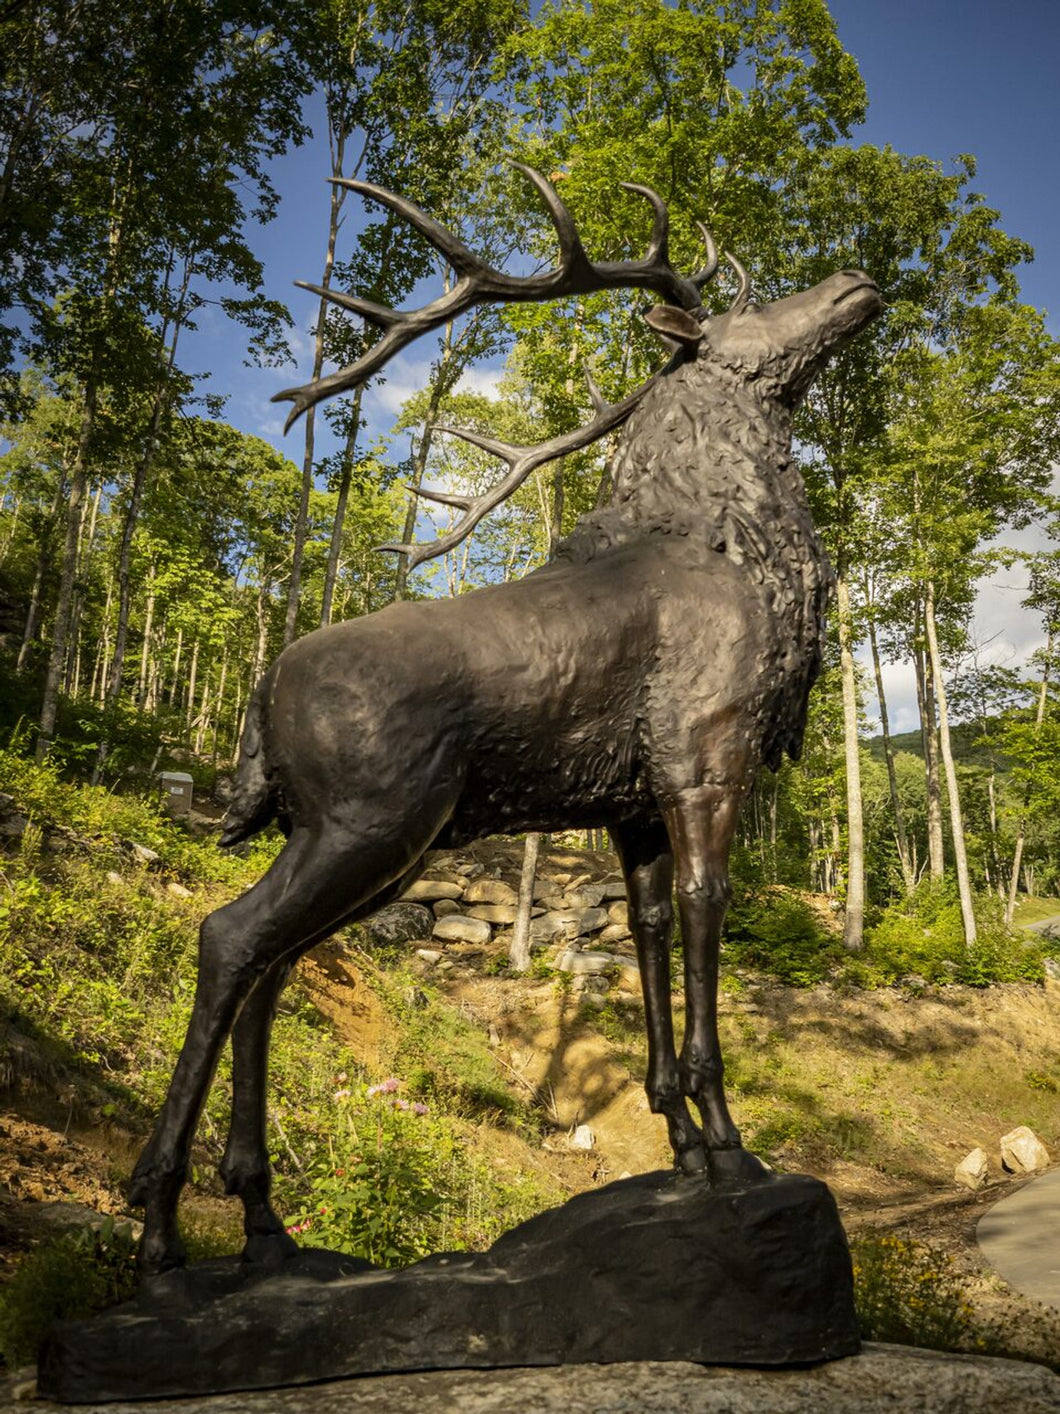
(676, 324)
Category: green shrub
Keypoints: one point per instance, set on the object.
(907, 1293)
(923, 936)
(386, 1178)
(76, 1275)
(776, 931)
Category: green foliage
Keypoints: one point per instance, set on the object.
(923, 936)
(76, 1275)
(908, 1293)
(394, 1180)
(777, 932)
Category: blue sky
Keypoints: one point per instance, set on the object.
(944, 77)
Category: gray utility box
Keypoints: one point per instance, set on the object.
(177, 786)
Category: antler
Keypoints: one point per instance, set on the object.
(521, 462)
(479, 283)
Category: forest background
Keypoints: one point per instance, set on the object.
(154, 557)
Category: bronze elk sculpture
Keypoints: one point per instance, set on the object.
(636, 682)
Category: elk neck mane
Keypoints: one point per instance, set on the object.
(707, 455)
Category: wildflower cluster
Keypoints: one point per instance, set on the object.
(908, 1293)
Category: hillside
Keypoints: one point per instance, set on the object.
(877, 1091)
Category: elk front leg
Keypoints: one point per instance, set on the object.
(701, 824)
(649, 869)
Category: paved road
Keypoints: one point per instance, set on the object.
(1020, 1238)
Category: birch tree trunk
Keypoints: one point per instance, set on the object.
(1021, 833)
(904, 857)
(964, 887)
(854, 919)
(925, 698)
(335, 548)
(519, 950)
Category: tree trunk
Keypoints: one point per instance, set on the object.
(193, 671)
(519, 950)
(60, 632)
(145, 651)
(335, 548)
(301, 525)
(1021, 833)
(132, 513)
(904, 857)
(854, 920)
(925, 699)
(964, 886)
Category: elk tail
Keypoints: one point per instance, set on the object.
(254, 802)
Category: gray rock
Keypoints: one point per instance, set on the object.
(492, 912)
(177, 890)
(141, 853)
(972, 1170)
(613, 933)
(487, 890)
(618, 912)
(582, 1139)
(429, 954)
(882, 1379)
(583, 962)
(443, 906)
(592, 920)
(1022, 1151)
(585, 896)
(459, 928)
(397, 924)
(756, 1275)
(430, 890)
(614, 889)
(556, 923)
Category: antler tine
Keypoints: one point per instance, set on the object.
(521, 462)
(599, 402)
(463, 260)
(659, 245)
(572, 256)
(444, 498)
(743, 294)
(700, 278)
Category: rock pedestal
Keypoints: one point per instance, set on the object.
(658, 1267)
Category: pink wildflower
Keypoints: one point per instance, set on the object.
(385, 1087)
(419, 1108)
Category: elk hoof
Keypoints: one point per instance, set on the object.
(736, 1165)
(159, 1254)
(270, 1249)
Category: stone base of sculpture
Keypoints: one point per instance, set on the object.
(658, 1267)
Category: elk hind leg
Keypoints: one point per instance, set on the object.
(245, 1167)
(307, 891)
(648, 867)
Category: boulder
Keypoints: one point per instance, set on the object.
(1022, 1151)
(583, 1138)
(591, 920)
(557, 922)
(493, 912)
(618, 912)
(141, 853)
(459, 928)
(613, 933)
(972, 1170)
(614, 889)
(397, 924)
(440, 907)
(585, 896)
(629, 975)
(430, 890)
(487, 890)
(578, 963)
